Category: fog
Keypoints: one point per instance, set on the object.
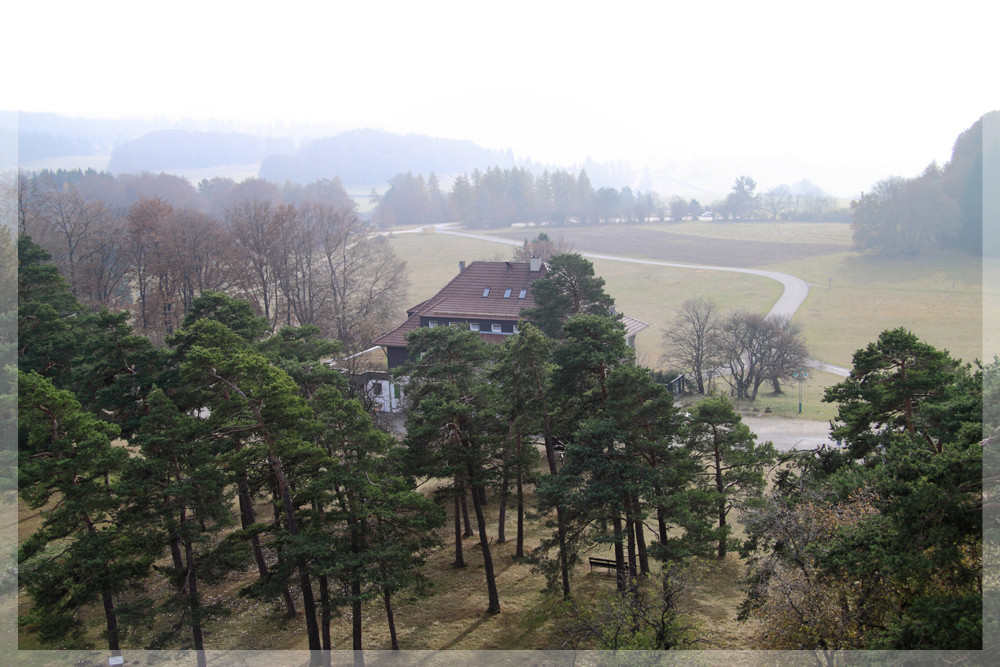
(841, 94)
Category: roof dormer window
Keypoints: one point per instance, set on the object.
(523, 294)
(486, 292)
(506, 293)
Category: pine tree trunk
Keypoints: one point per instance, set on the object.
(356, 628)
(550, 457)
(324, 614)
(619, 554)
(504, 493)
(357, 548)
(286, 594)
(633, 574)
(387, 598)
(640, 538)
(111, 620)
(519, 550)
(465, 516)
(175, 556)
(194, 603)
(248, 517)
(661, 517)
(484, 542)
(459, 559)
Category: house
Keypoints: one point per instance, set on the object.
(487, 297)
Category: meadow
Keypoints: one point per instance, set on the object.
(852, 298)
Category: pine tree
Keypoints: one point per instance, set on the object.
(453, 422)
(69, 470)
(736, 463)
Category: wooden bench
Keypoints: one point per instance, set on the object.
(611, 565)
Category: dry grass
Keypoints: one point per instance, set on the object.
(853, 298)
(451, 616)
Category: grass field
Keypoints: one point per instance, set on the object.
(852, 299)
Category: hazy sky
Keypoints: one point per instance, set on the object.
(842, 93)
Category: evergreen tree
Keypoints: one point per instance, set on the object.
(264, 406)
(178, 496)
(378, 525)
(902, 384)
(885, 537)
(69, 470)
(568, 288)
(736, 464)
(453, 423)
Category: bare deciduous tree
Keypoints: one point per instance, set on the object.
(692, 342)
(756, 348)
(367, 281)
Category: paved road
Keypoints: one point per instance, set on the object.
(795, 289)
(786, 434)
(795, 292)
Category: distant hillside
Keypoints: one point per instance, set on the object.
(169, 150)
(362, 158)
(375, 156)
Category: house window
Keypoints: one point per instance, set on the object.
(496, 328)
(432, 324)
(473, 326)
(395, 391)
(486, 292)
(517, 329)
(506, 293)
(523, 294)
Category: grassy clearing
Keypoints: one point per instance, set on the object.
(649, 293)
(855, 297)
(785, 404)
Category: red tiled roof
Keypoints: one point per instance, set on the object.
(462, 298)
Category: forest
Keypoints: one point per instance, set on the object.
(227, 450)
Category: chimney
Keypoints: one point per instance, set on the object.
(461, 266)
(536, 264)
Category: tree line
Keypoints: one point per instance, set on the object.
(502, 196)
(300, 255)
(943, 207)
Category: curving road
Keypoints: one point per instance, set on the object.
(795, 289)
(786, 434)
